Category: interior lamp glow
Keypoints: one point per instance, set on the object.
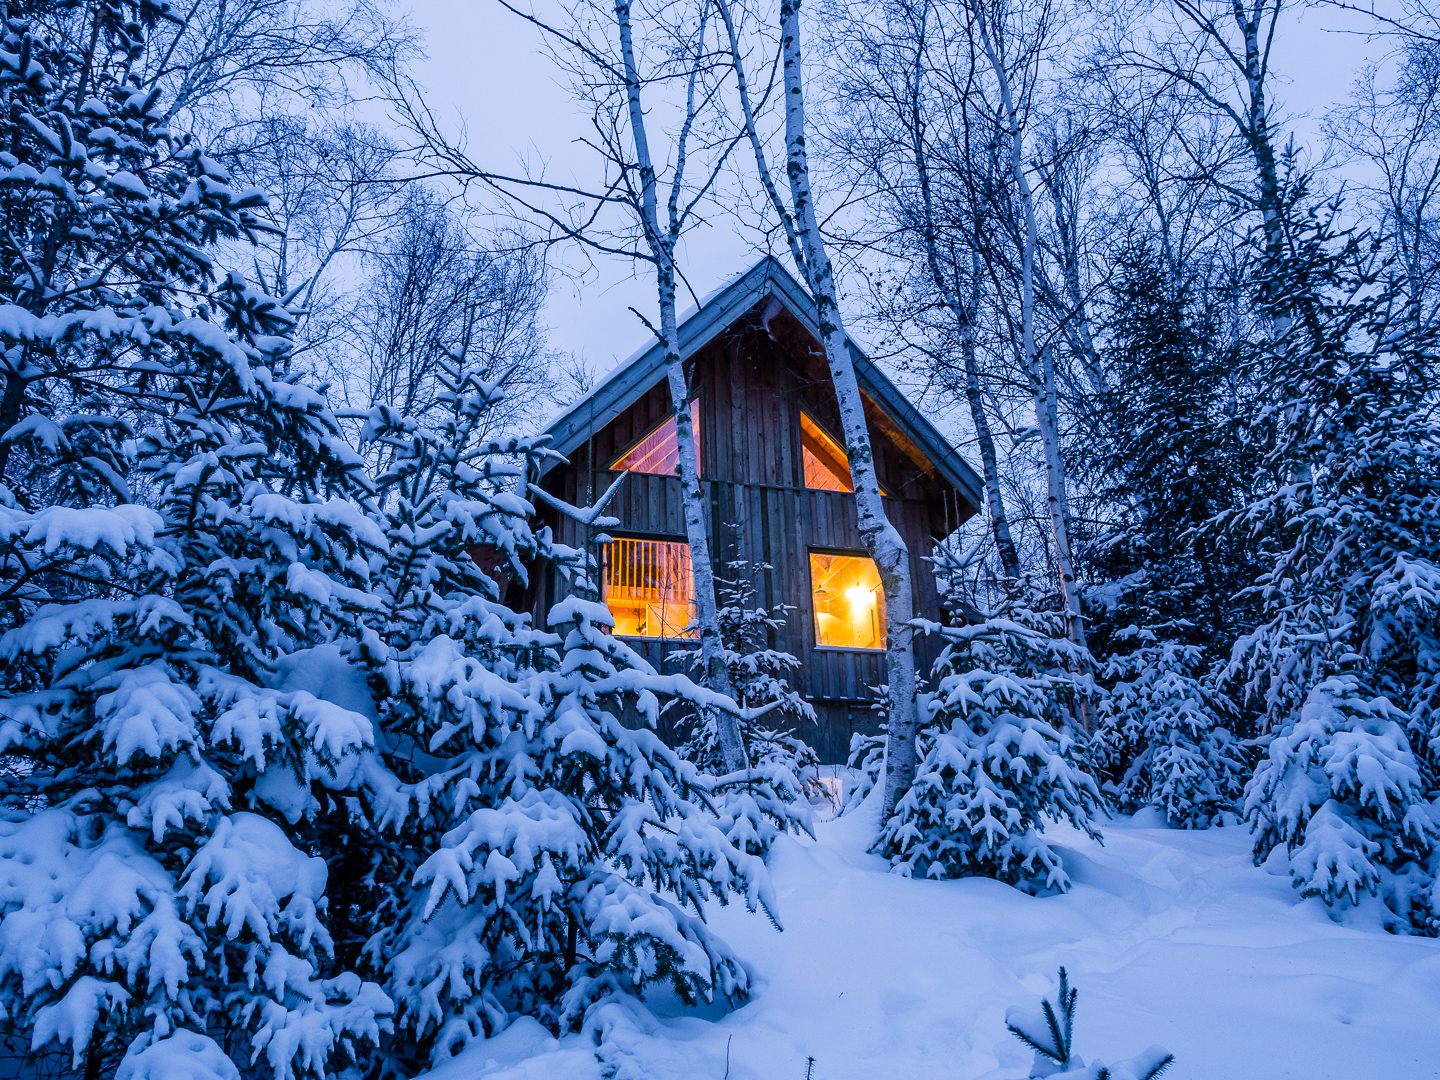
(848, 599)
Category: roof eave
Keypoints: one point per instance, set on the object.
(635, 376)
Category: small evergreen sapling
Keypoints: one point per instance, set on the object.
(867, 760)
(782, 770)
(1003, 755)
(1160, 732)
(760, 677)
(1050, 1033)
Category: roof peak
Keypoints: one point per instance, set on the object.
(717, 312)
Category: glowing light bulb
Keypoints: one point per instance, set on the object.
(859, 596)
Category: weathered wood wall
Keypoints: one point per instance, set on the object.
(751, 387)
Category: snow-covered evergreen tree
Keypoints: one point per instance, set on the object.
(1165, 460)
(1344, 663)
(1002, 754)
(1160, 736)
(867, 759)
(178, 519)
(534, 855)
(782, 771)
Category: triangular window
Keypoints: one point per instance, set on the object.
(659, 452)
(826, 466)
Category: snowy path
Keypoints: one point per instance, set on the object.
(1172, 938)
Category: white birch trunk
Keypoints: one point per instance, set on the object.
(752, 132)
(1039, 365)
(882, 540)
(966, 313)
(661, 242)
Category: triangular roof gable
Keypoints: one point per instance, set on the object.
(717, 313)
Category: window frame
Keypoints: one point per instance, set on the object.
(839, 445)
(820, 549)
(803, 414)
(693, 402)
(662, 538)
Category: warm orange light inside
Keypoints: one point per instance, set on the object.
(649, 588)
(659, 452)
(826, 466)
(849, 601)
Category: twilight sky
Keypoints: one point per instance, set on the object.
(484, 69)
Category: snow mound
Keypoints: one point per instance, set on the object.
(185, 1055)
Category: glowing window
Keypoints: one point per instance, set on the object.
(659, 452)
(849, 601)
(826, 466)
(649, 588)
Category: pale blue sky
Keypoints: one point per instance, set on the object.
(484, 65)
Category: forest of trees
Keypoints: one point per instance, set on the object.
(287, 789)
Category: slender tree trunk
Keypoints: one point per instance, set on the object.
(94, 1059)
(1262, 145)
(1260, 139)
(965, 317)
(882, 540)
(12, 406)
(662, 246)
(1042, 381)
(1038, 363)
(752, 132)
(999, 520)
(89, 61)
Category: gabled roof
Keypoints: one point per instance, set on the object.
(716, 313)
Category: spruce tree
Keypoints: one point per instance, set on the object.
(782, 770)
(178, 520)
(1163, 606)
(1002, 753)
(1170, 459)
(1344, 662)
(533, 856)
(1160, 732)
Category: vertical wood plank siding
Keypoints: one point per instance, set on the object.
(751, 389)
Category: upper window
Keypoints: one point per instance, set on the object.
(826, 466)
(649, 587)
(849, 601)
(659, 452)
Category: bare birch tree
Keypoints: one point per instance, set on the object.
(902, 135)
(1220, 53)
(988, 24)
(801, 222)
(331, 197)
(432, 293)
(1395, 131)
(625, 62)
(245, 58)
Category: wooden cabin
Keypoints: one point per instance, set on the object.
(774, 469)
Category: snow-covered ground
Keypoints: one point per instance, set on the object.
(1172, 938)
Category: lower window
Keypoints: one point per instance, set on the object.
(849, 601)
(649, 587)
